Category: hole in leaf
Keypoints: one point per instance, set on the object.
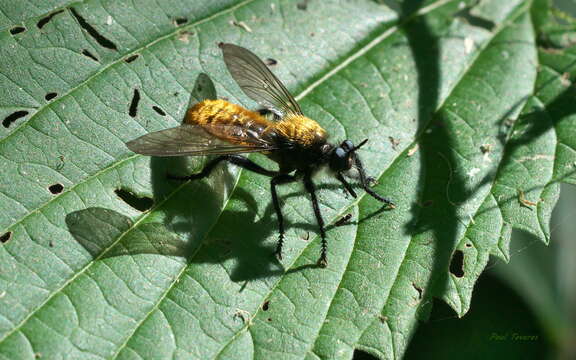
(266, 305)
(419, 289)
(468, 245)
(180, 21)
(133, 109)
(100, 39)
(56, 188)
(50, 96)
(302, 5)
(158, 110)
(363, 355)
(8, 120)
(457, 264)
(269, 319)
(5, 237)
(136, 202)
(89, 54)
(46, 19)
(271, 62)
(129, 59)
(17, 30)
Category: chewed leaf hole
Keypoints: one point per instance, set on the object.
(100, 39)
(89, 54)
(271, 62)
(158, 110)
(133, 109)
(131, 58)
(46, 19)
(50, 96)
(457, 264)
(302, 5)
(56, 188)
(266, 305)
(8, 120)
(5, 237)
(180, 21)
(418, 289)
(17, 30)
(136, 202)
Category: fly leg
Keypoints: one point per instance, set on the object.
(346, 185)
(237, 160)
(278, 180)
(309, 185)
(365, 180)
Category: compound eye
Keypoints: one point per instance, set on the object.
(347, 144)
(339, 160)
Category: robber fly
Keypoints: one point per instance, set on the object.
(298, 144)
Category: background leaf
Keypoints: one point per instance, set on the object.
(471, 129)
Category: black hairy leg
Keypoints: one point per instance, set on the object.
(279, 180)
(309, 185)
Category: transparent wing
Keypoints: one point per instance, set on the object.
(203, 90)
(257, 81)
(195, 140)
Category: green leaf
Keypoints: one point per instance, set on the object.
(471, 129)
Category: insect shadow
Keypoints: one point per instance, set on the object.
(195, 226)
(215, 232)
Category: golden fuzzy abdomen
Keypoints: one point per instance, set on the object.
(301, 130)
(211, 113)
